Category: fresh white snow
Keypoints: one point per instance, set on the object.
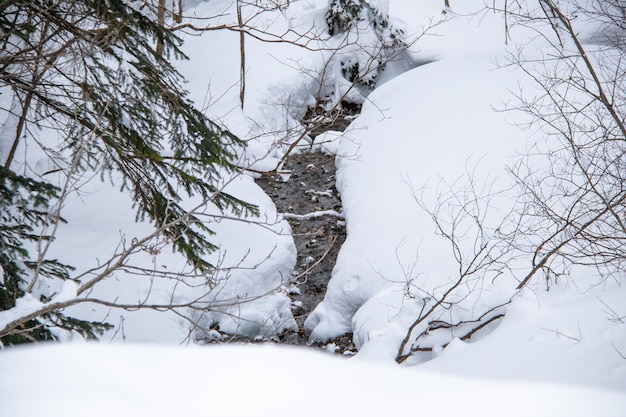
(138, 380)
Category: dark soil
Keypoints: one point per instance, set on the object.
(310, 188)
(318, 120)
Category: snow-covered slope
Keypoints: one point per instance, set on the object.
(432, 130)
(432, 126)
(105, 380)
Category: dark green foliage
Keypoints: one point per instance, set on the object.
(87, 329)
(23, 204)
(88, 69)
(31, 331)
(351, 71)
(363, 67)
(122, 107)
(343, 15)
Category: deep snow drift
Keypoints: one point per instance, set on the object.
(138, 380)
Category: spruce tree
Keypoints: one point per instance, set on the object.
(89, 69)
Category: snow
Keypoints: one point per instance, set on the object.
(557, 352)
(105, 380)
(314, 214)
(563, 336)
(23, 307)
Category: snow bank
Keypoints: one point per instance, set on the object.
(562, 336)
(101, 380)
(252, 269)
(430, 130)
(426, 128)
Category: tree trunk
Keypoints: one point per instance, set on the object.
(161, 22)
(242, 53)
(177, 11)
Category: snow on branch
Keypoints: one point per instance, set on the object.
(314, 215)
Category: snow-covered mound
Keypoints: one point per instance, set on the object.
(106, 380)
(428, 133)
(429, 127)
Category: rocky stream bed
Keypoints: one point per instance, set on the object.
(312, 206)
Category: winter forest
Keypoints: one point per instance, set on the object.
(277, 207)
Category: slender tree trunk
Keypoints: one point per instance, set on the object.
(178, 16)
(242, 52)
(161, 22)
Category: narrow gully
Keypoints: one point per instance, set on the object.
(310, 189)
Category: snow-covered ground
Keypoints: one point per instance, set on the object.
(105, 380)
(561, 352)
(432, 126)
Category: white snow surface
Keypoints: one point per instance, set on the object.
(105, 380)
(556, 353)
